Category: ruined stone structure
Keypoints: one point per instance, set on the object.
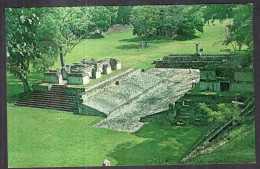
(134, 96)
(138, 93)
(217, 74)
(81, 73)
(190, 61)
(226, 79)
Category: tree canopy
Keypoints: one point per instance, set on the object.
(166, 21)
(240, 31)
(29, 37)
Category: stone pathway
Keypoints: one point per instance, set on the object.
(174, 83)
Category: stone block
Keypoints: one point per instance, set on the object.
(99, 67)
(53, 77)
(107, 69)
(96, 74)
(77, 79)
(115, 64)
(89, 61)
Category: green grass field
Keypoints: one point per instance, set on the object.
(49, 138)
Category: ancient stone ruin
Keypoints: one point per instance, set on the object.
(134, 96)
(81, 73)
(219, 73)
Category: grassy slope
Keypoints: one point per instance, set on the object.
(240, 148)
(38, 137)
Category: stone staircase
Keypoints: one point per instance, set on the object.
(55, 98)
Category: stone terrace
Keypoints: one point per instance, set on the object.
(113, 96)
(141, 94)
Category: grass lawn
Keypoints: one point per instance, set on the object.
(49, 138)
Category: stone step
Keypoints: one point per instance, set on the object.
(53, 102)
(65, 101)
(44, 106)
(48, 102)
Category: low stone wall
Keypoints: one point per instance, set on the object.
(86, 110)
(41, 88)
(74, 91)
(244, 76)
(242, 87)
(190, 61)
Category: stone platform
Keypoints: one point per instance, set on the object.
(138, 94)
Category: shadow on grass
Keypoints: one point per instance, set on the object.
(15, 89)
(184, 38)
(150, 40)
(135, 39)
(164, 145)
(130, 46)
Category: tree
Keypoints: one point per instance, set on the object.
(100, 19)
(240, 31)
(124, 13)
(145, 19)
(113, 12)
(170, 18)
(24, 41)
(73, 24)
(49, 39)
(191, 21)
(217, 11)
(166, 21)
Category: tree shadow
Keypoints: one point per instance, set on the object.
(130, 46)
(135, 39)
(96, 36)
(163, 145)
(184, 38)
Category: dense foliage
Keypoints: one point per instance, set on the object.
(223, 113)
(166, 21)
(28, 38)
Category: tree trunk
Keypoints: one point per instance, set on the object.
(145, 41)
(142, 43)
(62, 57)
(25, 84)
(239, 47)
